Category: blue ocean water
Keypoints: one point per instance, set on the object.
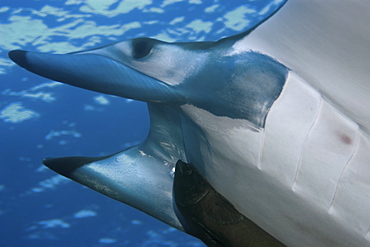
(41, 118)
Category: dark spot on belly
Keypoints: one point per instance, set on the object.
(345, 139)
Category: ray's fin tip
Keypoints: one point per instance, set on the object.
(64, 166)
(18, 57)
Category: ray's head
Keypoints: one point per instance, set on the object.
(208, 75)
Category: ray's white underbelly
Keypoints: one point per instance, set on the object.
(305, 177)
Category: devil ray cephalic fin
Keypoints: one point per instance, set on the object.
(141, 176)
(130, 176)
(76, 69)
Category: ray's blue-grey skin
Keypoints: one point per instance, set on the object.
(276, 118)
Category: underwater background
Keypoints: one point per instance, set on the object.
(41, 118)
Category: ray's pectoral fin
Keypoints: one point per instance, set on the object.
(210, 216)
(130, 176)
(141, 176)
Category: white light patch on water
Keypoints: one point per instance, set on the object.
(89, 28)
(155, 10)
(97, 6)
(46, 85)
(35, 92)
(199, 25)
(177, 20)
(4, 62)
(16, 113)
(267, 8)
(89, 108)
(84, 29)
(107, 240)
(54, 223)
(18, 34)
(236, 19)
(50, 183)
(48, 10)
(44, 96)
(163, 36)
(84, 214)
(101, 100)
(42, 169)
(74, 2)
(59, 133)
(168, 2)
(195, 1)
(212, 8)
(104, 7)
(47, 97)
(136, 222)
(4, 9)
